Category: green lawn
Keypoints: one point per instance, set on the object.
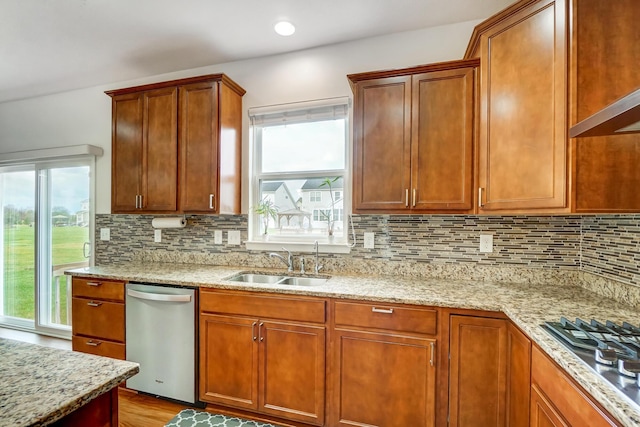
(19, 270)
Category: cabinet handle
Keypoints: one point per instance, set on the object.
(93, 343)
(253, 330)
(406, 197)
(94, 304)
(136, 201)
(211, 201)
(382, 310)
(480, 204)
(140, 201)
(260, 332)
(414, 197)
(433, 353)
(94, 283)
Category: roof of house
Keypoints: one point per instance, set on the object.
(316, 184)
(271, 186)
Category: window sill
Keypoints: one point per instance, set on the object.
(325, 248)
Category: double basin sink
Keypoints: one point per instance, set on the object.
(274, 279)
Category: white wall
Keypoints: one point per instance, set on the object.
(84, 116)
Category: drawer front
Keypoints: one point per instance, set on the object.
(263, 306)
(98, 319)
(99, 347)
(98, 288)
(386, 316)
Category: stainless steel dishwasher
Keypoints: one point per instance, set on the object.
(160, 327)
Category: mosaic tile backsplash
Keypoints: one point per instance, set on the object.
(601, 253)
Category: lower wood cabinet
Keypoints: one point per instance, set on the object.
(383, 369)
(98, 317)
(477, 371)
(556, 399)
(272, 362)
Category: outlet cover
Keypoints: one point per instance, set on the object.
(105, 234)
(157, 236)
(486, 243)
(233, 237)
(217, 237)
(369, 240)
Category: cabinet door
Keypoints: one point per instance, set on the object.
(199, 147)
(543, 414)
(160, 151)
(126, 155)
(477, 389)
(382, 150)
(292, 371)
(518, 377)
(383, 380)
(229, 361)
(523, 125)
(442, 141)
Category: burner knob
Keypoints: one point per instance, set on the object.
(606, 356)
(629, 368)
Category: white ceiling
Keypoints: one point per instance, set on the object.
(49, 46)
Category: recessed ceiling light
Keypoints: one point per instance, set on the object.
(284, 28)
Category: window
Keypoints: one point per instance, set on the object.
(47, 218)
(299, 165)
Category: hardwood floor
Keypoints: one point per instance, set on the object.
(134, 410)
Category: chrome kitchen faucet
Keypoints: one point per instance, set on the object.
(288, 261)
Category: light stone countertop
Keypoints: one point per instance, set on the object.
(527, 305)
(39, 385)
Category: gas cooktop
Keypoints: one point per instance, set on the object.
(610, 349)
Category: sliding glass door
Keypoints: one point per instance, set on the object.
(47, 229)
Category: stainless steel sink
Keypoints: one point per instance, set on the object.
(271, 279)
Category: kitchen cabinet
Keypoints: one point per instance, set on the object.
(383, 365)
(546, 65)
(518, 376)
(556, 400)
(477, 371)
(413, 139)
(263, 353)
(98, 317)
(176, 146)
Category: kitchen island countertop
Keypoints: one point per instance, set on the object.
(40, 385)
(527, 305)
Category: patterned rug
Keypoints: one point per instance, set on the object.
(192, 418)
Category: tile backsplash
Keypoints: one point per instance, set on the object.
(600, 252)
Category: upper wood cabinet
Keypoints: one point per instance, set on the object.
(522, 154)
(546, 65)
(413, 139)
(176, 147)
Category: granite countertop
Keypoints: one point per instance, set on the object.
(527, 305)
(39, 385)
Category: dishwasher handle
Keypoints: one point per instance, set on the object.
(158, 297)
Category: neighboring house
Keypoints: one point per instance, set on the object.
(280, 195)
(82, 216)
(317, 200)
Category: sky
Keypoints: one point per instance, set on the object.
(70, 186)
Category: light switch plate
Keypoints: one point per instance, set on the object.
(486, 243)
(369, 240)
(233, 237)
(217, 237)
(105, 234)
(157, 236)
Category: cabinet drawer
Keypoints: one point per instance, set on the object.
(385, 316)
(98, 288)
(263, 306)
(99, 347)
(99, 319)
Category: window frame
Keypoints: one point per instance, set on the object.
(256, 176)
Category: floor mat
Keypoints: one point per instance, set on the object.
(193, 418)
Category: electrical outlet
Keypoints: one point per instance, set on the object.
(369, 240)
(157, 236)
(105, 234)
(217, 237)
(486, 243)
(233, 237)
